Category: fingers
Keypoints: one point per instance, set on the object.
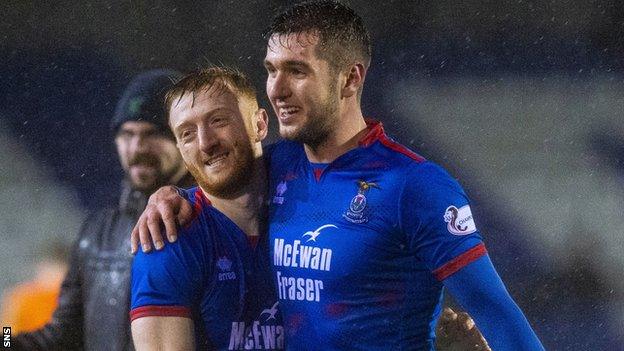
(464, 321)
(446, 329)
(154, 233)
(134, 239)
(185, 212)
(169, 221)
(448, 315)
(165, 209)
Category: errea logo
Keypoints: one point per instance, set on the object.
(225, 269)
(459, 220)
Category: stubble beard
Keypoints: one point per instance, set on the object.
(230, 185)
(320, 123)
(159, 179)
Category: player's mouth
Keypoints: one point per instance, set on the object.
(286, 113)
(217, 160)
(143, 167)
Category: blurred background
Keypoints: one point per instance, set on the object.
(522, 101)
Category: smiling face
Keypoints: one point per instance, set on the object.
(149, 158)
(302, 88)
(214, 139)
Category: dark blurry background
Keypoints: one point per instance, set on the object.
(522, 101)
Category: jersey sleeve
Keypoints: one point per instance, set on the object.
(169, 282)
(436, 217)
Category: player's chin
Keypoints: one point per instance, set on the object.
(144, 184)
(290, 132)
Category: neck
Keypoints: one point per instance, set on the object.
(247, 209)
(177, 177)
(345, 136)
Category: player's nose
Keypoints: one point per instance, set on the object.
(208, 139)
(278, 86)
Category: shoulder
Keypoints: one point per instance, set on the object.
(429, 180)
(414, 168)
(282, 150)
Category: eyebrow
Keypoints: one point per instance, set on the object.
(209, 114)
(289, 63)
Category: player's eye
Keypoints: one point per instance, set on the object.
(186, 135)
(125, 134)
(220, 121)
(271, 71)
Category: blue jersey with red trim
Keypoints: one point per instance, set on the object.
(213, 275)
(360, 246)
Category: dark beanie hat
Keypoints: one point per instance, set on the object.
(143, 100)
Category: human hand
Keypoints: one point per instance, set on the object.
(166, 207)
(458, 332)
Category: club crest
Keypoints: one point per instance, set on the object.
(357, 207)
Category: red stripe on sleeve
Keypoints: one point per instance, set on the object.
(160, 311)
(459, 262)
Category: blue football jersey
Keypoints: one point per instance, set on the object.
(215, 276)
(360, 246)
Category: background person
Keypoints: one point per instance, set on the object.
(93, 305)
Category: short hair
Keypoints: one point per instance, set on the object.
(343, 37)
(221, 78)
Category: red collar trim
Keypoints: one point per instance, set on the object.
(375, 132)
(200, 200)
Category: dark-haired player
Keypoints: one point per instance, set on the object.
(364, 233)
(397, 228)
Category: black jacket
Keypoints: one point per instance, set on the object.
(92, 312)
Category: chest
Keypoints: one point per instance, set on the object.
(344, 222)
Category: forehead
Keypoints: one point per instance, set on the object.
(202, 103)
(138, 126)
(294, 46)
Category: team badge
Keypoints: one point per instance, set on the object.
(459, 220)
(279, 193)
(357, 208)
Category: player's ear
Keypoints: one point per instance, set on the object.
(355, 79)
(261, 124)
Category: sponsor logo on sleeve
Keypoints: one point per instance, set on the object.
(459, 220)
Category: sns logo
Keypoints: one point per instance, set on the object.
(225, 268)
(460, 221)
(313, 234)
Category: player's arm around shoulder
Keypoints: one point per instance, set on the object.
(163, 333)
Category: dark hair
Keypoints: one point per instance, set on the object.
(219, 77)
(343, 37)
